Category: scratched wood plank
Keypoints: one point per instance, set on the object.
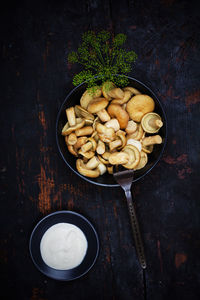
(35, 181)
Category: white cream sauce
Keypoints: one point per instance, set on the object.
(63, 246)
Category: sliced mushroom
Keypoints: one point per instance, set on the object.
(67, 129)
(81, 167)
(122, 135)
(151, 140)
(115, 144)
(110, 169)
(151, 122)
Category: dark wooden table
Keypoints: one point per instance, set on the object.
(36, 37)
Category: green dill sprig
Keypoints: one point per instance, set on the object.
(103, 59)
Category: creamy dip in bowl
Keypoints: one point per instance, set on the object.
(64, 245)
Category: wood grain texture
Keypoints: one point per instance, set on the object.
(36, 37)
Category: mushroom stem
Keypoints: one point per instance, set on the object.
(100, 147)
(151, 140)
(70, 112)
(156, 123)
(115, 144)
(87, 130)
(72, 139)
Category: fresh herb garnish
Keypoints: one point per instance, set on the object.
(102, 58)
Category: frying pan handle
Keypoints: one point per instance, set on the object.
(136, 230)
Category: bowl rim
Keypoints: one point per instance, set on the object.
(64, 212)
(104, 184)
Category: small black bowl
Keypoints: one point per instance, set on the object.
(64, 217)
(107, 180)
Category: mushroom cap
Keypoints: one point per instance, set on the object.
(88, 95)
(97, 104)
(115, 110)
(147, 122)
(138, 106)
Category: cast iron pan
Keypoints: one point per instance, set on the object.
(107, 180)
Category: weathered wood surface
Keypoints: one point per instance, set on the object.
(36, 37)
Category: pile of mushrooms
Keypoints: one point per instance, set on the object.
(111, 126)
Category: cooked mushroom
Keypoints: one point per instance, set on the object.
(132, 90)
(102, 168)
(115, 144)
(113, 123)
(151, 140)
(138, 106)
(110, 169)
(90, 144)
(151, 122)
(89, 95)
(115, 110)
(72, 150)
(134, 156)
(97, 106)
(135, 143)
(143, 161)
(71, 116)
(105, 134)
(67, 129)
(81, 112)
(122, 135)
(137, 135)
(116, 93)
(80, 141)
(92, 163)
(127, 96)
(107, 86)
(147, 149)
(118, 158)
(88, 154)
(87, 130)
(100, 147)
(72, 139)
(81, 167)
(131, 127)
